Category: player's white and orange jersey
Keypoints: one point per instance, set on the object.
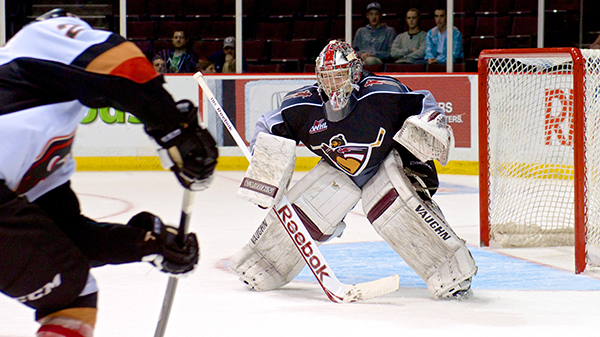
(51, 72)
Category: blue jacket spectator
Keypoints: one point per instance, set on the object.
(435, 45)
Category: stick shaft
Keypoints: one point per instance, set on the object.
(221, 113)
(165, 312)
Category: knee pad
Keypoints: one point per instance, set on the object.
(417, 231)
(322, 198)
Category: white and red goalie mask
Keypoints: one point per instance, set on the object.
(338, 69)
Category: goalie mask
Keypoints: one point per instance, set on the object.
(338, 71)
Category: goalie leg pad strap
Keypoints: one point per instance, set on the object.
(416, 230)
(270, 170)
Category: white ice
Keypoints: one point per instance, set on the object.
(212, 302)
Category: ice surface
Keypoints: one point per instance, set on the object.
(509, 300)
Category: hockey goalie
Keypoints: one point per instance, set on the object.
(377, 140)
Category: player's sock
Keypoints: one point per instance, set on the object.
(76, 322)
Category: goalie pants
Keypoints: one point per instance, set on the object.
(48, 247)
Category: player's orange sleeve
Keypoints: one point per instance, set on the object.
(124, 60)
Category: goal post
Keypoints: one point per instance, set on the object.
(539, 150)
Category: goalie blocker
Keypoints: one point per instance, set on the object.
(270, 170)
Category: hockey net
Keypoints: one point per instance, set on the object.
(539, 150)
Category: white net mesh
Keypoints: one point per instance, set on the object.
(530, 134)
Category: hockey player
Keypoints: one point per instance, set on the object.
(377, 140)
(51, 72)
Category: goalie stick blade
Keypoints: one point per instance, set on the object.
(372, 289)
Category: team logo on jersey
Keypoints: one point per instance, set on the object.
(303, 94)
(351, 158)
(54, 155)
(318, 126)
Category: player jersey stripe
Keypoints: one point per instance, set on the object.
(137, 69)
(91, 53)
(124, 60)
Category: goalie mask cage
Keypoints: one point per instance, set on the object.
(539, 150)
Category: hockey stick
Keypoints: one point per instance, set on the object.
(335, 290)
(186, 213)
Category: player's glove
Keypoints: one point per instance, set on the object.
(189, 151)
(162, 248)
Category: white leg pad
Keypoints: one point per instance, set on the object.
(325, 195)
(270, 259)
(417, 230)
(322, 198)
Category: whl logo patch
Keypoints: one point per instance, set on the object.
(318, 126)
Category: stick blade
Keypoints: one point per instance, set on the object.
(372, 289)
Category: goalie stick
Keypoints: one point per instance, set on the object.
(335, 290)
(186, 213)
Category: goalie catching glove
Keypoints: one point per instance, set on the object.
(162, 248)
(189, 151)
(427, 136)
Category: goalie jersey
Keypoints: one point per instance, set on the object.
(51, 73)
(358, 143)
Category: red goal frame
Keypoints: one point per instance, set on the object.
(580, 200)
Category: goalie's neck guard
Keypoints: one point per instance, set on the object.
(334, 115)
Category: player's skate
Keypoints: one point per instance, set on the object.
(461, 291)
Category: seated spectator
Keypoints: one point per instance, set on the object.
(435, 46)
(206, 67)
(409, 47)
(159, 64)
(178, 60)
(224, 60)
(374, 41)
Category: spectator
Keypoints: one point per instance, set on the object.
(178, 60)
(206, 67)
(596, 44)
(159, 64)
(224, 60)
(435, 48)
(374, 41)
(409, 47)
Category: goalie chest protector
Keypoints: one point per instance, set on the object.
(358, 143)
